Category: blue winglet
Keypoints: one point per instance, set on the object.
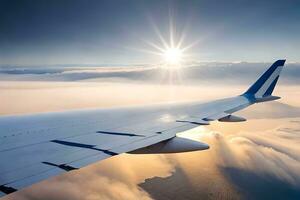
(265, 85)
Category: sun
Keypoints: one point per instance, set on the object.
(170, 47)
(173, 56)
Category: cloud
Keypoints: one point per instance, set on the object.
(242, 152)
(271, 110)
(29, 97)
(112, 179)
(250, 157)
(193, 73)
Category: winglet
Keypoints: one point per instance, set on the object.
(265, 85)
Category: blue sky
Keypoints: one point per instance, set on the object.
(114, 32)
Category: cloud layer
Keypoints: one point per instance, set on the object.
(208, 73)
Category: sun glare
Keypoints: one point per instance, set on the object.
(173, 56)
(173, 51)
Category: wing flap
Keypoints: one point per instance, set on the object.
(160, 136)
(194, 120)
(216, 116)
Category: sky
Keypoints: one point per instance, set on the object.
(36, 32)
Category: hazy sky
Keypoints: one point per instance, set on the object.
(115, 32)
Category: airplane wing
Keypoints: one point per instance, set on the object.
(36, 147)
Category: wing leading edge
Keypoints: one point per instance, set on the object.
(36, 147)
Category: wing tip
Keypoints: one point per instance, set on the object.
(280, 62)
